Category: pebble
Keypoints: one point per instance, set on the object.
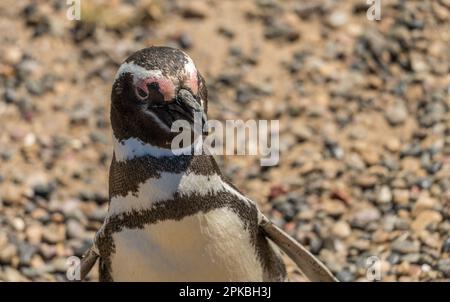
(384, 195)
(75, 229)
(279, 30)
(34, 234)
(424, 202)
(401, 197)
(26, 252)
(345, 276)
(12, 275)
(397, 113)
(196, 9)
(337, 19)
(444, 267)
(394, 258)
(7, 253)
(445, 245)
(43, 190)
(18, 224)
(333, 208)
(424, 219)
(10, 96)
(3, 239)
(12, 55)
(366, 181)
(54, 233)
(184, 40)
(365, 216)
(341, 229)
(405, 246)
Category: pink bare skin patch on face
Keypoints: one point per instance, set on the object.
(191, 78)
(193, 82)
(166, 87)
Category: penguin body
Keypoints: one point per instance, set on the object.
(182, 222)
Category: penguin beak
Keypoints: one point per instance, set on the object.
(187, 106)
(184, 106)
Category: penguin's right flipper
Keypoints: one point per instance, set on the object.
(310, 266)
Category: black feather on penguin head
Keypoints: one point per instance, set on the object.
(153, 88)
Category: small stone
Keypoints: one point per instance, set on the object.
(26, 252)
(341, 229)
(411, 258)
(333, 208)
(195, 10)
(11, 194)
(334, 149)
(445, 245)
(40, 214)
(279, 30)
(366, 181)
(184, 40)
(397, 113)
(301, 131)
(393, 144)
(35, 87)
(305, 9)
(7, 253)
(226, 32)
(12, 275)
(401, 197)
(316, 245)
(3, 239)
(424, 202)
(393, 258)
(59, 265)
(434, 167)
(365, 216)
(75, 229)
(444, 267)
(47, 251)
(54, 233)
(34, 234)
(345, 276)
(12, 55)
(18, 224)
(43, 190)
(29, 140)
(370, 156)
(80, 246)
(337, 19)
(426, 218)
(405, 246)
(97, 214)
(10, 96)
(384, 195)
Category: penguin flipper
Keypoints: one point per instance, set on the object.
(310, 266)
(87, 262)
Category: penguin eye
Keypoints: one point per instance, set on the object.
(154, 90)
(141, 93)
(154, 95)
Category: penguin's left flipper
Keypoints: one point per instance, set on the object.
(87, 262)
(310, 266)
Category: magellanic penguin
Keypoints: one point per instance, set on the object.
(175, 217)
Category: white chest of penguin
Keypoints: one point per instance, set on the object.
(211, 246)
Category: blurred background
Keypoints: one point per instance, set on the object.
(363, 108)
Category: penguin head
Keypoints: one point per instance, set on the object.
(153, 88)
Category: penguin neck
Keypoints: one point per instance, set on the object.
(139, 183)
(133, 147)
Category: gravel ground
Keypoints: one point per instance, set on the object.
(363, 109)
